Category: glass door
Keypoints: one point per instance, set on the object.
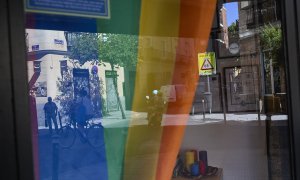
(158, 89)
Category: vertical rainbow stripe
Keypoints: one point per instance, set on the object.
(150, 153)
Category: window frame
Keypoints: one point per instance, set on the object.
(18, 151)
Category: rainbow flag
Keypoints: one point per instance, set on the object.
(142, 152)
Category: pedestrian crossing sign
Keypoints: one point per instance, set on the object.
(207, 63)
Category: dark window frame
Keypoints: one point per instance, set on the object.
(17, 135)
(18, 94)
(291, 41)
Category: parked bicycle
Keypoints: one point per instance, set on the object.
(69, 132)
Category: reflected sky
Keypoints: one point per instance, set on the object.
(232, 12)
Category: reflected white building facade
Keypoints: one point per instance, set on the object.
(48, 58)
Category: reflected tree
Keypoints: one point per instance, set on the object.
(271, 42)
(98, 101)
(83, 47)
(119, 51)
(66, 96)
(233, 29)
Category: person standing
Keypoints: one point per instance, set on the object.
(83, 111)
(50, 110)
(86, 101)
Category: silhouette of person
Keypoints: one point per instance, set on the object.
(84, 111)
(50, 110)
(88, 105)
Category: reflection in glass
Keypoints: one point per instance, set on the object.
(188, 95)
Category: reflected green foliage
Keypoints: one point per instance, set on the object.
(97, 98)
(271, 44)
(115, 49)
(119, 51)
(84, 47)
(233, 29)
(271, 41)
(66, 96)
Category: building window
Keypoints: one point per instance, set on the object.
(63, 67)
(37, 66)
(250, 16)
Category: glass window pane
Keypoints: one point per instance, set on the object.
(158, 90)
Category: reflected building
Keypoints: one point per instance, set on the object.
(48, 61)
(242, 79)
(243, 76)
(166, 53)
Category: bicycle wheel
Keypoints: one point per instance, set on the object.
(66, 136)
(95, 136)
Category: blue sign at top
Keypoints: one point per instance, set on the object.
(82, 8)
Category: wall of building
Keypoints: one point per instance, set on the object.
(50, 67)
